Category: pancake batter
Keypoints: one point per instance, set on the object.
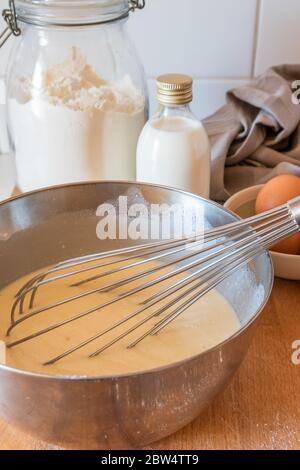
(207, 323)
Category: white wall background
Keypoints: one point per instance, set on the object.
(222, 43)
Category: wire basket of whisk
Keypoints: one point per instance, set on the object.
(184, 272)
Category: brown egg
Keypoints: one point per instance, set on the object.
(276, 192)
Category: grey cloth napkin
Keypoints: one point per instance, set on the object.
(256, 135)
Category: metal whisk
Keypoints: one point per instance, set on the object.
(201, 263)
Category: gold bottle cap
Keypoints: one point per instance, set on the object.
(174, 89)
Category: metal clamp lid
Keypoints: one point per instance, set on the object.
(10, 17)
(137, 4)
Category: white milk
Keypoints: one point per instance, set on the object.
(174, 151)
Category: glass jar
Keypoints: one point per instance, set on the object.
(76, 91)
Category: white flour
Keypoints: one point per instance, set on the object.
(76, 127)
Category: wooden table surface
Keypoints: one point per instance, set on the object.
(261, 407)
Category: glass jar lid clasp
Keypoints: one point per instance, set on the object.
(137, 4)
(10, 17)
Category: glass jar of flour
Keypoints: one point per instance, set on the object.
(76, 91)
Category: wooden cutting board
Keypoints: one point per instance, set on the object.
(261, 407)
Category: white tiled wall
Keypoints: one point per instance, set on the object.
(278, 33)
(222, 43)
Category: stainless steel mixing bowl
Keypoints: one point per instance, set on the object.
(118, 412)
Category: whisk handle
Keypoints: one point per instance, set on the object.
(294, 206)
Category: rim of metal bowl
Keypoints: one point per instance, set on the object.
(188, 360)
